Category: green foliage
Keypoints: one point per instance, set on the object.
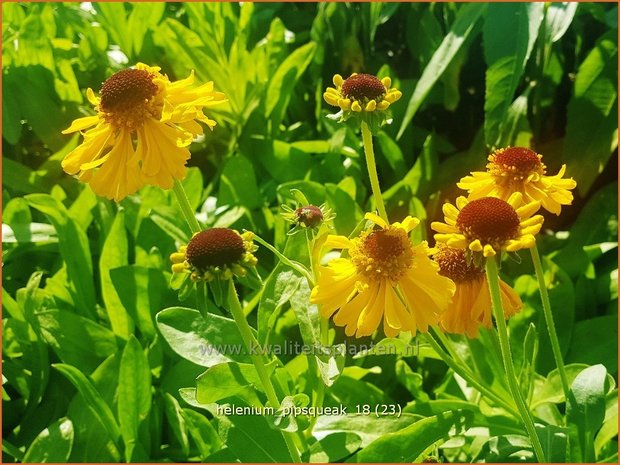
(105, 361)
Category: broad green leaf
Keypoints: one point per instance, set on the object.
(369, 428)
(94, 401)
(202, 432)
(204, 342)
(460, 31)
(283, 82)
(609, 430)
(140, 291)
(226, 380)
(411, 380)
(252, 440)
(592, 125)
(506, 56)
(73, 244)
(409, 443)
(176, 421)
(28, 232)
(113, 255)
(334, 447)
(507, 448)
(585, 411)
(134, 393)
(77, 341)
(582, 350)
(114, 17)
(238, 184)
(53, 444)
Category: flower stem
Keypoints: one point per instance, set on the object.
(372, 170)
(250, 341)
(553, 335)
(464, 373)
(296, 266)
(502, 331)
(186, 208)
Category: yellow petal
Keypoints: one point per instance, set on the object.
(475, 246)
(376, 219)
(355, 106)
(338, 80)
(81, 123)
(488, 251)
(387, 82)
(371, 106)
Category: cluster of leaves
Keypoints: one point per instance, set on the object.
(93, 371)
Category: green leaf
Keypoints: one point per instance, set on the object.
(176, 421)
(283, 82)
(279, 287)
(113, 255)
(369, 428)
(592, 125)
(143, 17)
(409, 443)
(77, 341)
(558, 19)
(204, 342)
(582, 350)
(506, 448)
(73, 244)
(134, 393)
(585, 411)
(252, 440)
(238, 184)
(94, 401)
(52, 445)
(506, 56)
(226, 380)
(334, 448)
(460, 31)
(140, 291)
(411, 380)
(202, 432)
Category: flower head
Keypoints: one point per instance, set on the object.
(519, 169)
(215, 253)
(471, 306)
(384, 278)
(309, 217)
(141, 131)
(361, 94)
(488, 224)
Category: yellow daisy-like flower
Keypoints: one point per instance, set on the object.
(143, 126)
(489, 224)
(385, 277)
(361, 93)
(471, 305)
(215, 253)
(518, 169)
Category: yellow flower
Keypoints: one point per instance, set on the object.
(489, 224)
(518, 169)
(361, 93)
(385, 277)
(471, 305)
(143, 126)
(215, 253)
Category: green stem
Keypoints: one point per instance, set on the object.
(372, 170)
(201, 297)
(251, 342)
(553, 335)
(296, 266)
(186, 208)
(502, 332)
(467, 376)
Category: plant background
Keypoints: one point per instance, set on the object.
(83, 277)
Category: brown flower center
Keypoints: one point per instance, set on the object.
(129, 97)
(518, 161)
(490, 220)
(127, 89)
(382, 253)
(453, 264)
(214, 247)
(363, 86)
(310, 216)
